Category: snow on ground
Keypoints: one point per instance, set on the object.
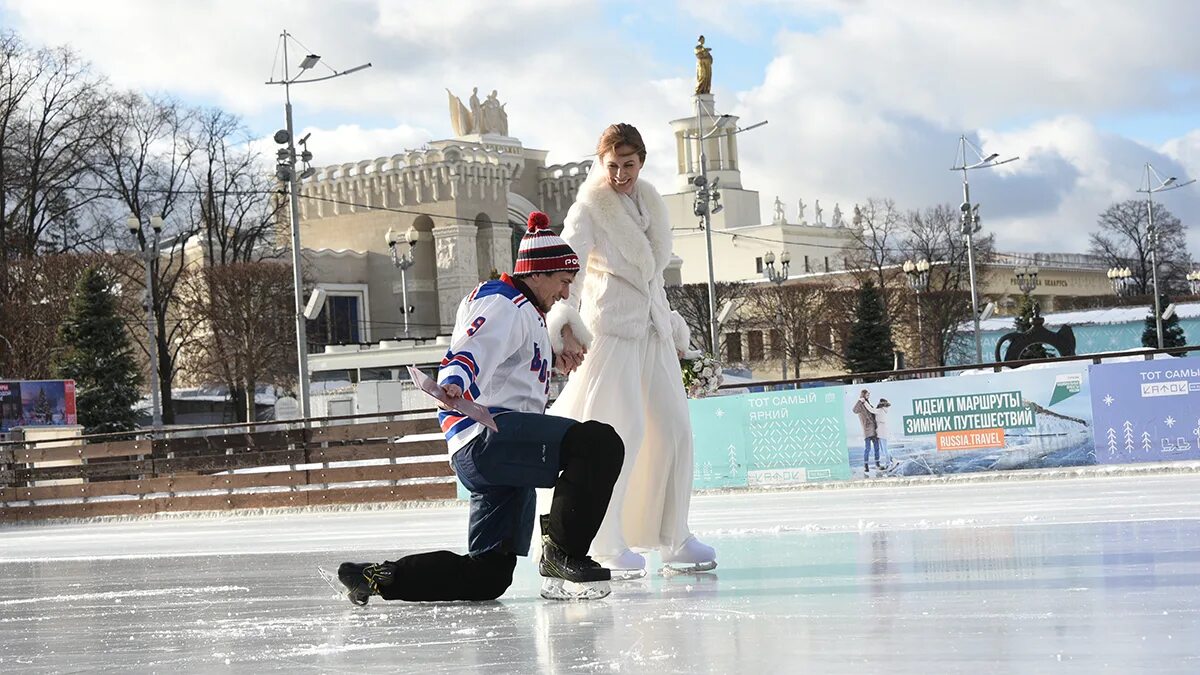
(1087, 574)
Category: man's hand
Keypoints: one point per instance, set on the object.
(572, 353)
(452, 392)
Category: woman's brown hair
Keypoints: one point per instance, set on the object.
(620, 134)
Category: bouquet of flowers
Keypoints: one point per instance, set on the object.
(701, 374)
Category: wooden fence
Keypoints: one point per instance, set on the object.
(228, 467)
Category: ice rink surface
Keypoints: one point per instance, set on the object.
(1088, 575)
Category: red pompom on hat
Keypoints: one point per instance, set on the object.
(542, 251)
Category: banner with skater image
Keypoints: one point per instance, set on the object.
(1147, 411)
(36, 403)
(768, 438)
(1024, 419)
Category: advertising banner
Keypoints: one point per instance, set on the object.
(1147, 411)
(769, 438)
(36, 403)
(1024, 419)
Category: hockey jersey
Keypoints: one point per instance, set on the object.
(499, 355)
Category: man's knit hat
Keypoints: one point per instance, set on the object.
(542, 251)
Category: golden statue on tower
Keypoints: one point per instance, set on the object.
(703, 68)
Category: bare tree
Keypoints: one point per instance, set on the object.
(145, 169)
(935, 234)
(1123, 241)
(875, 231)
(245, 310)
(36, 304)
(51, 123)
(799, 320)
(234, 210)
(691, 301)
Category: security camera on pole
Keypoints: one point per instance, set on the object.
(285, 170)
(970, 222)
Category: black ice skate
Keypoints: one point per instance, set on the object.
(362, 580)
(567, 577)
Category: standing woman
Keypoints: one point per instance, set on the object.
(630, 377)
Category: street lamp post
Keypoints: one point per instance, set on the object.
(970, 222)
(917, 274)
(777, 277)
(402, 263)
(1027, 279)
(1171, 183)
(285, 170)
(149, 256)
(1193, 279)
(1120, 279)
(708, 202)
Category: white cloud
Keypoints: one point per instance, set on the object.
(867, 101)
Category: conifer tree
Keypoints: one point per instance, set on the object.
(870, 347)
(94, 351)
(1173, 335)
(1022, 323)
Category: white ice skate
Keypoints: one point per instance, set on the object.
(625, 566)
(691, 557)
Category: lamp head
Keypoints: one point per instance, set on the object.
(922, 265)
(909, 267)
(156, 222)
(769, 258)
(133, 224)
(412, 236)
(309, 61)
(991, 157)
(390, 237)
(1169, 182)
(785, 258)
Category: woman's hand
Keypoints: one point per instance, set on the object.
(572, 353)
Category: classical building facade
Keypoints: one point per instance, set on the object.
(467, 197)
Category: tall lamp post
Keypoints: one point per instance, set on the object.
(917, 274)
(1027, 279)
(1193, 279)
(708, 202)
(1171, 183)
(149, 256)
(777, 277)
(402, 263)
(285, 170)
(970, 221)
(1120, 278)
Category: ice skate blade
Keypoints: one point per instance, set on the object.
(672, 569)
(628, 575)
(554, 588)
(336, 584)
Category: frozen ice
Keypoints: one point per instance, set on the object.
(1092, 574)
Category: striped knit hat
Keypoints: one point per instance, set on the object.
(542, 251)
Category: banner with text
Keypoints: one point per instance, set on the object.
(36, 403)
(1147, 411)
(768, 438)
(979, 422)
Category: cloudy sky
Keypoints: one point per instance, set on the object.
(864, 98)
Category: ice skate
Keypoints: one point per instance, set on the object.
(692, 556)
(361, 580)
(625, 566)
(567, 577)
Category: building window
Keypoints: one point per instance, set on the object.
(803, 346)
(826, 263)
(776, 343)
(758, 265)
(733, 347)
(806, 267)
(339, 322)
(754, 340)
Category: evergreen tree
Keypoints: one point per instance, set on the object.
(870, 347)
(94, 351)
(1022, 323)
(1172, 332)
(43, 410)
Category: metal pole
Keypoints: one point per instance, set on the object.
(714, 329)
(920, 337)
(297, 271)
(1158, 326)
(404, 295)
(969, 227)
(155, 401)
